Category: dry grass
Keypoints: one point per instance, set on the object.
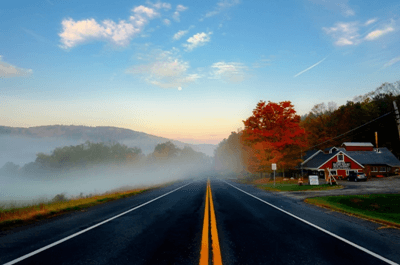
(16, 216)
(280, 180)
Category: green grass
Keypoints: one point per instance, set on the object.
(296, 187)
(383, 208)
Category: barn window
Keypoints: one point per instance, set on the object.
(340, 158)
(333, 172)
(382, 169)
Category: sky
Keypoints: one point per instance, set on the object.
(188, 70)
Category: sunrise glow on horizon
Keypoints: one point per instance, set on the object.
(188, 71)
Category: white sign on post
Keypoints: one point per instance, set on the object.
(313, 180)
(274, 168)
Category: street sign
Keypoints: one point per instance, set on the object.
(313, 180)
(273, 166)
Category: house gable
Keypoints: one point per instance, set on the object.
(347, 163)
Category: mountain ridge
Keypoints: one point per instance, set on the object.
(82, 133)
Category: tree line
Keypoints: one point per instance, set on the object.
(92, 154)
(324, 124)
(274, 133)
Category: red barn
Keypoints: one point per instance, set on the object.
(338, 162)
(351, 157)
(358, 146)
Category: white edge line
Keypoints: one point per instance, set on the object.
(320, 228)
(87, 229)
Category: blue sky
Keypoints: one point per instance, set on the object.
(187, 70)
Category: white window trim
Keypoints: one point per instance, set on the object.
(339, 159)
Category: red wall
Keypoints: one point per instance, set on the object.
(353, 165)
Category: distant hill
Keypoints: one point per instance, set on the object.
(97, 134)
(46, 138)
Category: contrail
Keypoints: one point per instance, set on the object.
(311, 67)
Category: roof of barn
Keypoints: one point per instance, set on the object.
(383, 157)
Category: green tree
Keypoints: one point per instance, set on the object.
(166, 151)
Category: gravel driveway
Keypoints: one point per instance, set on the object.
(382, 185)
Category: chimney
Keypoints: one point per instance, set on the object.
(376, 142)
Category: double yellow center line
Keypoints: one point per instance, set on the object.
(205, 247)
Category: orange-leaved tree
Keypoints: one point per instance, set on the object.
(274, 135)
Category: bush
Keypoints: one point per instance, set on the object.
(60, 198)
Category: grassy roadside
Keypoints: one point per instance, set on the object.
(296, 187)
(14, 217)
(380, 208)
(284, 184)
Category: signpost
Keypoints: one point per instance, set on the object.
(274, 168)
(313, 180)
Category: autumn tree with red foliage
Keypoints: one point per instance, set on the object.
(274, 135)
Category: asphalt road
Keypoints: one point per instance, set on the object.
(168, 230)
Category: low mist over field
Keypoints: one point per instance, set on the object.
(36, 168)
(21, 150)
(99, 179)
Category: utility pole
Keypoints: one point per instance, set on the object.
(396, 111)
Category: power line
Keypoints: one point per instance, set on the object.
(351, 130)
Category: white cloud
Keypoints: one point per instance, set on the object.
(120, 34)
(347, 11)
(231, 72)
(344, 33)
(167, 22)
(145, 10)
(160, 5)
(197, 40)
(221, 6)
(165, 70)
(392, 62)
(179, 9)
(344, 41)
(347, 33)
(370, 21)
(7, 70)
(378, 33)
(180, 34)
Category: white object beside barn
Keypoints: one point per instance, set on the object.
(313, 179)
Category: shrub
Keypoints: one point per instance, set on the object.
(60, 198)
